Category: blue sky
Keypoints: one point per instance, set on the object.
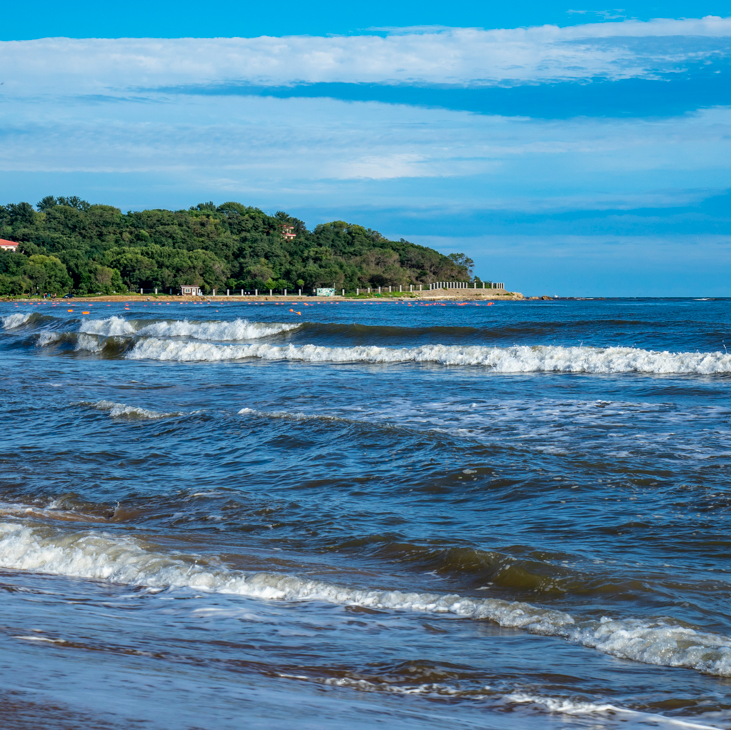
(569, 149)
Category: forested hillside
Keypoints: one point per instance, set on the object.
(66, 244)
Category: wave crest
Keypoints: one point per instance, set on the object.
(116, 410)
(516, 359)
(112, 326)
(12, 321)
(99, 556)
(238, 329)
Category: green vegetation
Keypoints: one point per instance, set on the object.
(69, 245)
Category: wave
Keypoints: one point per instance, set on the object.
(12, 321)
(567, 706)
(126, 560)
(48, 337)
(239, 329)
(116, 410)
(516, 359)
(440, 690)
(112, 326)
(90, 343)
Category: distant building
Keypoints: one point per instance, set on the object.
(288, 232)
(190, 291)
(8, 245)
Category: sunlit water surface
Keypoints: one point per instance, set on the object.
(364, 515)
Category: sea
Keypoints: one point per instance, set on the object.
(391, 514)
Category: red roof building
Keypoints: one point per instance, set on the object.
(288, 232)
(8, 245)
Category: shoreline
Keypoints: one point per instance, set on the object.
(167, 298)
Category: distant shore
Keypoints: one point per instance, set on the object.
(430, 296)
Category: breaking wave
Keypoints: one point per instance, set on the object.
(126, 560)
(90, 343)
(516, 359)
(239, 329)
(116, 410)
(112, 326)
(48, 337)
(11, 321)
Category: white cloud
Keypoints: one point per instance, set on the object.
(451, 56)
(443, 160)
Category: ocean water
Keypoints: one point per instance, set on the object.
(381, 515)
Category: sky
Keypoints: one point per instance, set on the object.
(569, 149)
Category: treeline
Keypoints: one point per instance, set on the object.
(68, 245)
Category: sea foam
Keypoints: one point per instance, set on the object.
(517, 359)
(48, 337)
(238, 329)
(125, 560)
(111, 326)
(11, 321)
(116, 410)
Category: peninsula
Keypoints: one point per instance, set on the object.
(66, 245)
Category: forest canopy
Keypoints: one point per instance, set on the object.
(69, 245)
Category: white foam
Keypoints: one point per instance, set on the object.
(558, 705)
(567, 706)
(11, 321)
(121, 409)
(363, 685)
(517, 359)
(239, 329)
(294, 415)
(117, 326)
(99, 556)
(91, 343)
(48, 337)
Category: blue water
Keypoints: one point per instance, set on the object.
(391, 514)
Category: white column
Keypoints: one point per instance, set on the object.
(357, 291)
(285, 292)
(228, 294)
(343, 291)
(300, 292)
(270, 292)
(379, 289)
(389, 289)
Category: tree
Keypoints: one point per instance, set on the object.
(106, 279)
(464, 262)
(231, 245)
(46, 203)
(74, 202)
(47, 274)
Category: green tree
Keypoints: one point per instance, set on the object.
(47, 274)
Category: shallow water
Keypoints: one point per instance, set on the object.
(263, 515)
